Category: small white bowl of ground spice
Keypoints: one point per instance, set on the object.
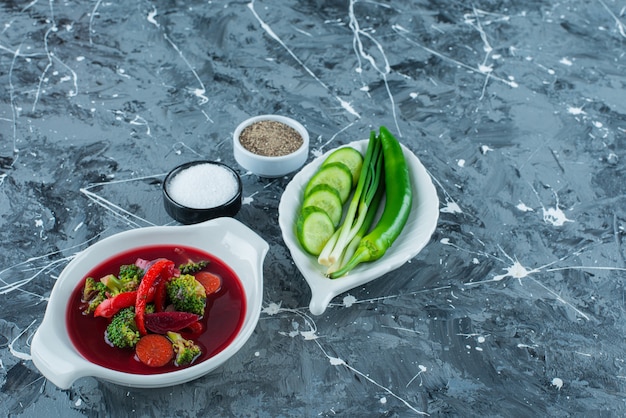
(271, 145)
(201, 190)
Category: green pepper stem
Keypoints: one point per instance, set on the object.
(361, 255)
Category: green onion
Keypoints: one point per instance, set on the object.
(361, 211)
(365, 226)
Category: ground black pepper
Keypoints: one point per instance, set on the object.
(270, 138)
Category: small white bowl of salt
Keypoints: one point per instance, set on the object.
(201, 190)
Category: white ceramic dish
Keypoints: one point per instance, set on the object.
(228, 239)
(415, 235)
(271, 167)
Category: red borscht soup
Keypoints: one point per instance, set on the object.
(224, 314)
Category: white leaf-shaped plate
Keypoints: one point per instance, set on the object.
(415, 235)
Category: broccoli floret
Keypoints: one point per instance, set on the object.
(122, 331)
(186, 350)
(191, 267)
(128, 280)
(130, 275)
(94, 292)
(187, 294)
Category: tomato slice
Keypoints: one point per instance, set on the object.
(212, 282)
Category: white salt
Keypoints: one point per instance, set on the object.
(203, 186)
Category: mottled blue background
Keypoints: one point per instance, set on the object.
(517, 110)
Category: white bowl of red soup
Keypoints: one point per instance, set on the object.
(173, 335)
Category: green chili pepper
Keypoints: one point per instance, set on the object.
(399, 199)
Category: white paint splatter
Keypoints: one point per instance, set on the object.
(557, 383)
(520, 345)
(151, 17)
(122, 73)
(555, 216)
(522, 206)
(271, 309)
(349, 301)
(309, 335)
(516, 271)
(485, 69)
(461, 163)
(335, 361)
(451, 207)
(566, 61)
(575, 110)
(484, 149)
(383, 400)
(423, 369)
(247, 200)
(200, 93)
(142, 122)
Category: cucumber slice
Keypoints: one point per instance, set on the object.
(336, 175)
(352, 158)
(313, 229)
(326, 198)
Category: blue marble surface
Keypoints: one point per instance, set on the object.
(516, 306)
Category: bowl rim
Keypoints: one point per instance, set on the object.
(278, 118)
(176, 170)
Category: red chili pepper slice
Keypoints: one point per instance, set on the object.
(161, 269)
(109, 307)
(160, 296)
